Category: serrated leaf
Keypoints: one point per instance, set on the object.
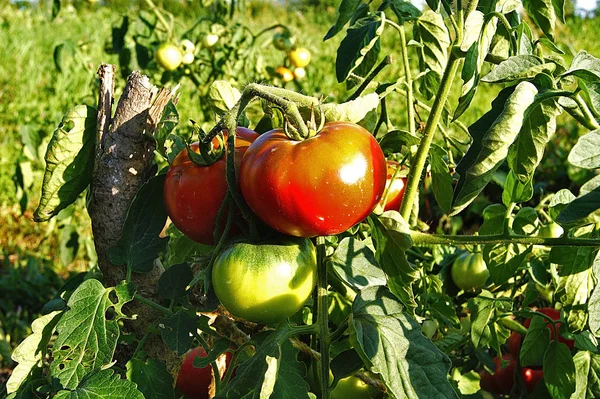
(140, 243)
(359, 40)
(223, 97)
(484, 331)
(582, 210)
(32, 349)
(273, 371)
(152, 378)
(69, 162)
(538, 128)
(587, 375)
(391, 344)
(88, 331)
(441, 180)
(173, 282)
(503, 260)
(103, 384)
(586, 152)
(391, 236)
(352, 111)
(178, 331)
(543, 15)
(166, 126)
(489, 150)
(346, 10)
(559, 370)
(354, 263)
(535, 343)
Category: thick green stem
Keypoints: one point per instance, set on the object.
(587, 114)
(153, 304)
(420, 238)
(513, 325)
(418, 164)
(160, 17)
(323, 317)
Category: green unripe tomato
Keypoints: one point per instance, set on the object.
(169, 56)
(469, 271)
(429, 328)
(267, 282)
(353, 388)
(210, 40)
(551, 230)
(283, 41)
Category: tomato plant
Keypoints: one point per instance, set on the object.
(469, 271)
(193, 194)
(169, 56)
(197, 382)
(347, 178)
(265, 282)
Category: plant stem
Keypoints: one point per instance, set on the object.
(420, 238)
(323, 317)
(513, 325)
(418, 164)
(153, 304)
(160, 17)
(587, 114)
(409, 83)
(385, 62)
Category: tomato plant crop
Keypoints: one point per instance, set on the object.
(469, 271)
(169, 56)
(265, 282)
(193, 194)
(338, 179)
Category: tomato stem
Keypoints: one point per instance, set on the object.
(420, 238)
(153, 305)
(323, 317)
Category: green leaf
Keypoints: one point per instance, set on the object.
(360, 38)
(543, 15)
(352, 111)
(393, 141)
(493, 220)
(559, 370)
(178, 331)
(535, 343)
(140, 243)
(526, 221)
(354, 263)
(489, 149)
(559, 9)
(484, 331)
(594, 310)
(391, 236)
(503, 260)
(441, 180)
(223, 97)
(586, 152)
(585, 66)
(32, 349)
(152, 378)
(391, 344)
(524, 42)
(219, 347)
(404, 10)
(180, 248)
(592, 89)
(431, 32)
(69, 162)
(559, 201)
(346, 364)
(69, 244)
(587, 375)
(102, 385)
(519, 67)
(515, 191)
(273, 371)
(173, 282)
(166, 126)
(582, 210)
(345, 12)
(88, 331)
(539, 126)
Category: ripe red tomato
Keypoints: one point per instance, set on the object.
(554, 315)
(320, 186)
(531, 377)
(503, 379)
(193, 194)
(514, 343)
(198, 383)
(395, 188)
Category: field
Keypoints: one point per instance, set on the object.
(49, 65)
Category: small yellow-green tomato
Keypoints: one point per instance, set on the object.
(169, 56)
(353, 388)
(187, 59)
(299, 57)
(551, 230)
(188, 46)
(469, 271)
(299, 73)
(267, 282)
(209, 40)
(285, 74)
(429, 328)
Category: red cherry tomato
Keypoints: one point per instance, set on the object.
(193, 194)
(395, 188)
(554, 315)
(531, 377)
(197, 383)
(503, 379)
(320, 186)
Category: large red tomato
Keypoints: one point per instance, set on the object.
(320, 186)
(503, 379)
(198, 383)
(531, 377)
(193, 194)
(395, 188)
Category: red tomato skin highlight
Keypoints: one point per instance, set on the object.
(193, 194)
(320, 186)
(395, 189)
